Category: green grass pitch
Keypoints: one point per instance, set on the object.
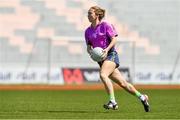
(86, 104)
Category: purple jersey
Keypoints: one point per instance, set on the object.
(101, 35)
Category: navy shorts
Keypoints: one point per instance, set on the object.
(112, 56)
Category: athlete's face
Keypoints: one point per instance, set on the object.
(91, 15)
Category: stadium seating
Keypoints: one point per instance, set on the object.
(33, 28)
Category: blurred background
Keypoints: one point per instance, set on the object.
(42, 41)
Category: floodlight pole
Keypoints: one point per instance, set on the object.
(133, 61)
(49, 61)
(29, 59)
(175, 65)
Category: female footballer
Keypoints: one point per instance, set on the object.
(103, 34)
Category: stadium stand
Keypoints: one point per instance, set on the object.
(52, 31)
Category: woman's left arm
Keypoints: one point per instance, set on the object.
(112, 43)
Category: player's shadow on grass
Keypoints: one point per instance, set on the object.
(67, 111)
(76, 111)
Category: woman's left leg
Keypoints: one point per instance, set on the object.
(117, 77)
(106, 70)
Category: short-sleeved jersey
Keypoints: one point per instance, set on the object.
(101, 35)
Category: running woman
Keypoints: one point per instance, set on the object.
(103, 34)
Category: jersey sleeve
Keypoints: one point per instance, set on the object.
(111, 31)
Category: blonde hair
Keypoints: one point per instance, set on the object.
(99, 11)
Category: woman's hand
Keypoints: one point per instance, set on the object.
(113, 41)
(105, 52)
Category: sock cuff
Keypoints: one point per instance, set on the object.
(138, 94)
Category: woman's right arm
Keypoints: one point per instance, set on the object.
(89, 49)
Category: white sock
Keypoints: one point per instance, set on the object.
(142, 97)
